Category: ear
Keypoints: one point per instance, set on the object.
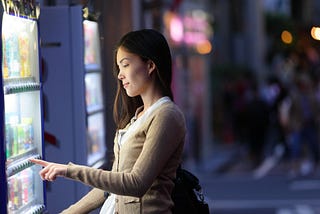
(151, 67)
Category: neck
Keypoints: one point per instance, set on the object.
(150, 97)
(149, 102)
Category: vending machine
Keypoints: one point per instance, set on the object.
(93, 93)
(22, 190)
(73, 97)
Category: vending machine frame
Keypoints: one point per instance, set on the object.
(64, 90)
(5, 172)
(3, 177)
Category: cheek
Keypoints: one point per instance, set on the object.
(143, 78)
(140, 74)
(140, 82)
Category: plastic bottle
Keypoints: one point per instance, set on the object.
(28, 132)
(12, 55)
(24, 55)
(8, 140)
(5, 69)
(15, 142)
(26, 183)
(21, 139)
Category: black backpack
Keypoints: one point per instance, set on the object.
(187, 194)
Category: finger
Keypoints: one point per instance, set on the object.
(51, 174)
(43, 173)
(52, 177)
(42, 176)
(39, 162)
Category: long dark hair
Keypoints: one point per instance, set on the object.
(149, 44)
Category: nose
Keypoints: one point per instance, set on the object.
(120, 76)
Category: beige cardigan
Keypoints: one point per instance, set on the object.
(143, 170)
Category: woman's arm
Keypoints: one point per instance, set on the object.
(165, 133)
(91, 201)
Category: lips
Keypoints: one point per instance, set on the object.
(125, 85)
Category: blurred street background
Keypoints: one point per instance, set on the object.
(247, 77)
(232, 186)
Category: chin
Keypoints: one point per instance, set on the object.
(131, 95)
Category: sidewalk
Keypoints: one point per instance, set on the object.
(233, 159)
(231, 186)
(221, 159)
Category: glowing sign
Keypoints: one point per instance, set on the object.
(176, 29)
(193, 30)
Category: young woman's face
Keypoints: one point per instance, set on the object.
(133, 73)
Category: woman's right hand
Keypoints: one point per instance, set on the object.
(51, 170)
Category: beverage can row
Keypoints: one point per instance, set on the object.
(19, 137)
(20, 189)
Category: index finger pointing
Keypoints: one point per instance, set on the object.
(39, 162)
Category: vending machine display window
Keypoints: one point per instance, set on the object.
(20, 59)
(92, 58)
(94, 94)
(96, 147)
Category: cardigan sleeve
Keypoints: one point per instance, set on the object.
(91, 201)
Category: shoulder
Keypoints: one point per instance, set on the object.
(170, 109)
(169, 115)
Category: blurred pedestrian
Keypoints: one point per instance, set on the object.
(257, 117)
(302, 127)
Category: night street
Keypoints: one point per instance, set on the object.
(238, 191)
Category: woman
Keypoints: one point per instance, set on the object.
(150, 135)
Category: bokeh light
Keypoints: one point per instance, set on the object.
(204, 47)
(315, 33)
(286, 37)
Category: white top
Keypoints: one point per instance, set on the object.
(109, 204)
